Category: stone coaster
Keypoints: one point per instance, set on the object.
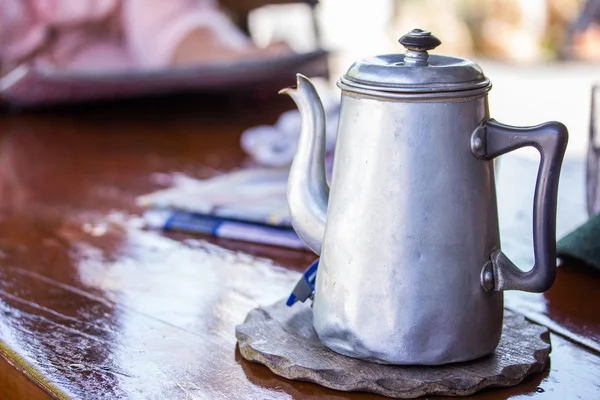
(283, 339)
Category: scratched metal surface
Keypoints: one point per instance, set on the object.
(92, 306)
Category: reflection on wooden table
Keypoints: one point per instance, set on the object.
(93, 306)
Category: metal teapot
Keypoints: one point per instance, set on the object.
(411, 269)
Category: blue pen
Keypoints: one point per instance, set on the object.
(305, 288)
(223, 228)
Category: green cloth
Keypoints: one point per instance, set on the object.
(583, 244)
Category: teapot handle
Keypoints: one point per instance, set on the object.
(492, 139)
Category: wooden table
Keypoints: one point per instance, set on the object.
(92, 306)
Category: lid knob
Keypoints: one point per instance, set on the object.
(417, 42)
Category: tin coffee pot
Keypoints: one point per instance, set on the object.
(411, 268)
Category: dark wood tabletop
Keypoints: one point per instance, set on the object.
(94, 306)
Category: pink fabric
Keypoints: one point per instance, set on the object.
(101, 34)
(69, 12)
(175, 18)
(21, 30)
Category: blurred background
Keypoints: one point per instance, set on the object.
(521, 31)
(542, 56)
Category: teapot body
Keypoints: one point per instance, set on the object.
(412, 218)
(411, 268)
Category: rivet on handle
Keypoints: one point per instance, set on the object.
(487, 276)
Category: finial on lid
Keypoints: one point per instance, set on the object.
(417, 42)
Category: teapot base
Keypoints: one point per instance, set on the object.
(407, 358)
(419, 338)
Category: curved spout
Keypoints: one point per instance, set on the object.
(307, 189)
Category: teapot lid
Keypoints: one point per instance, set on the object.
(415, 72)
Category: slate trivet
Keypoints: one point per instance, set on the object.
(283, 339)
